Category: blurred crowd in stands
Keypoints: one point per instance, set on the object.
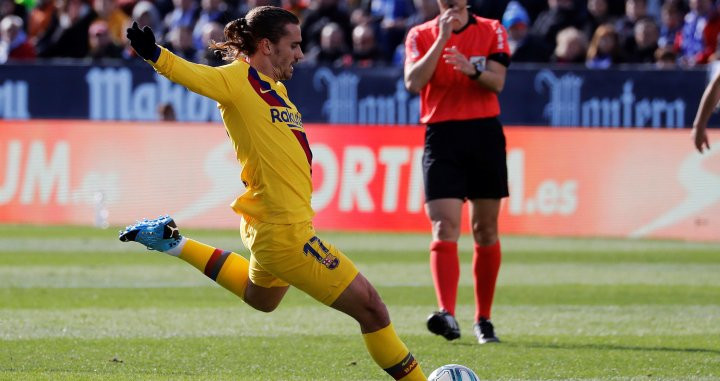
(370, 33)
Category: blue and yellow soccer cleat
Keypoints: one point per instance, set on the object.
(161, 234)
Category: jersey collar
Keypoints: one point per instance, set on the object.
(471, 20)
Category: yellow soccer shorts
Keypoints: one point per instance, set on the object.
(282, 255)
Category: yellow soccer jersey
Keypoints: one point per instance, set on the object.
(266, 131)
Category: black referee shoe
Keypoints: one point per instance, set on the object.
(444, 324)
(485, 332)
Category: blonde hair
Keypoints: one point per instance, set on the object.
(10, 21)
(603, 31)
(567, 35)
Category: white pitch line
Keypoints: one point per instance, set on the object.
(360, 243)
(553, 320)
(380, 274)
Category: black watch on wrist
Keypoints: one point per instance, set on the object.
(478, 71)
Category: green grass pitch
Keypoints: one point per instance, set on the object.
(76, 304)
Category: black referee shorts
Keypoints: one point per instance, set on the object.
(465, 159)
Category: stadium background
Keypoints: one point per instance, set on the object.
(610, 237)
(597, 140)
(567, 182)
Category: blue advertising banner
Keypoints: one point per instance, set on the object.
(603, 98)
(544, 96)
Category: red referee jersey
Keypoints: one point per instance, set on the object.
(450, 94)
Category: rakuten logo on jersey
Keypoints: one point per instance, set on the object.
(283, 115)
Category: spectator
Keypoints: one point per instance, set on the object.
(533, 7)
(250, 4)
(393, 16)
(185, 14)
(625, 27)
(362, 15)
(164, 7)
(653, 8)
(14, 44)
(710, 36)
(666, 58)
(365, 51)
(604, 49)
(616, 8)
(212, 33)
(690, 45)
(166, 112)
(332, 46)
(181, 43)
(67, 34)
(145, 13)
(560, 15)
(101, 43)
(425, 10)
(524, 47)
(646, 41)
(323, 12)
(598, 14)
(297, 7)
(40, 18)
(671, 17)
(570, 47)
(8, 7)
(490, 9)
(211, 11)
(115, 19)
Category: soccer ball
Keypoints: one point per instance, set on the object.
(453, 372)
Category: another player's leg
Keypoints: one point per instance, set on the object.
(228, 269)
(361, 301)
(486, 264)
(445, 216)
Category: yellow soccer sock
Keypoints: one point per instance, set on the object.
(228, 269)
(392, 355)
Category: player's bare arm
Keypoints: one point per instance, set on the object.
(418, 73)
(492, 78)
(710, 99)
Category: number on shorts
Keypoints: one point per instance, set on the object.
(315, 247)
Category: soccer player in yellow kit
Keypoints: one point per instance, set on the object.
(268, 136)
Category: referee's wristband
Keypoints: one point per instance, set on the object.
(477, 74)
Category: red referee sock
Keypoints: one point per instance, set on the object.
(445, 269)
(486, 265)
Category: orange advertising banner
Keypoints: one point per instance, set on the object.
(569, 182)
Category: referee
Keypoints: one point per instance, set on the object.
(458, 62)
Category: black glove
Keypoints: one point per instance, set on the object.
(143, 41)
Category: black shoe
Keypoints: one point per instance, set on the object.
(485, 332)
(442, 323)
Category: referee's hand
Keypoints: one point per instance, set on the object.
(143, 41)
